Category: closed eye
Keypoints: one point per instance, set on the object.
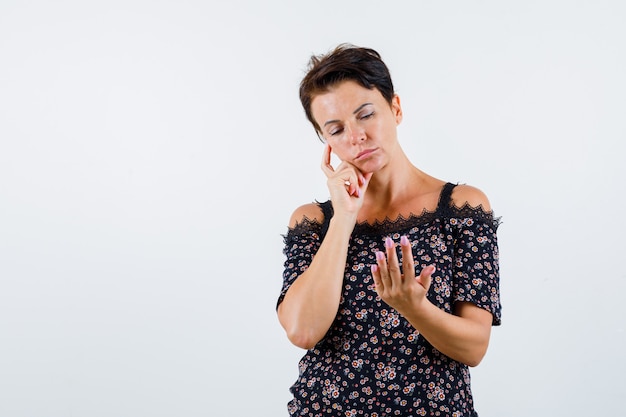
(367, 116)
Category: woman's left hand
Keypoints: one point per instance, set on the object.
(402, 290)
(463, 336)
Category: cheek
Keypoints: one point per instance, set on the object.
(338, 148)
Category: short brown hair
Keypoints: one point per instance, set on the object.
(345, 62)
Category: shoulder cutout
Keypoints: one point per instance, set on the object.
(310, 211)
(472, 196)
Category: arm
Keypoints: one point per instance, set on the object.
(463, 335)
(310, 305)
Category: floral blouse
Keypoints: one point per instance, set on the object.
(373, 362)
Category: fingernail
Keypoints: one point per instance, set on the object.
(374, 268)
(389, 242)
(380, 256)
(404, 241)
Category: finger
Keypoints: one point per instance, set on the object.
(350, 185)
(348, 180)
(392, 261)
(408, 264)
(364, 180)
(425, 277)
(350, 177)
(360, 178)
(354, 188)
(378, 282)
(383, 270)
(326, 166)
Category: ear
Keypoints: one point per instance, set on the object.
(396, 108)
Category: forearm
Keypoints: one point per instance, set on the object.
(310, 305)
(464, 337)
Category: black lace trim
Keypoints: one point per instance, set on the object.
(390, 226)
(304, 226)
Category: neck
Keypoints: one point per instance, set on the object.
(393, 182)
(399, 188)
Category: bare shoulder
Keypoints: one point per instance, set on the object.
(309, 211)
(466, 194)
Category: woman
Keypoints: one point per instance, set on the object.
(393, 284)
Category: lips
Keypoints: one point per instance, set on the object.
(365, 153)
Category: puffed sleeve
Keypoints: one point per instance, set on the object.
(301, 244)
(476, 276)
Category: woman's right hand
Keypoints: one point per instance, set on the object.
(347, 185)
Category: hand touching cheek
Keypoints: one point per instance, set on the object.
(347, 185)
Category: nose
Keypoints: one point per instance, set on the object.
(356, 134)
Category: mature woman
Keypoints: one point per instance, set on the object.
(392, 285)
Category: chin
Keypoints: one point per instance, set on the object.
(370, 168)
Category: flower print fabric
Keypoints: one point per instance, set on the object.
(372, 362)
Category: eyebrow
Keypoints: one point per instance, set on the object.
(354, 112)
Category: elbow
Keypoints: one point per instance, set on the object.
(474, 358)
(474, 361)
(299, 334)
(302, 339)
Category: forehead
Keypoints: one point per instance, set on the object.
(343, 97)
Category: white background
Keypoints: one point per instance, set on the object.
(151, 153)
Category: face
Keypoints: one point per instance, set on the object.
(358, 124)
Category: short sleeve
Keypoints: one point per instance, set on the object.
(301, 244)
(476, 276)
